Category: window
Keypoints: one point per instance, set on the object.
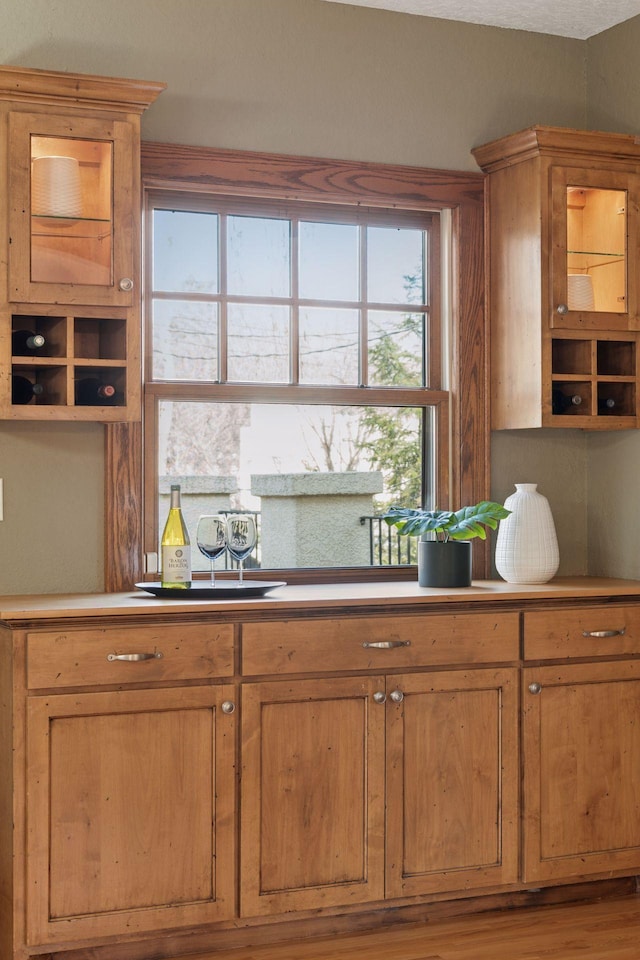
(353, 197)
(294, 372)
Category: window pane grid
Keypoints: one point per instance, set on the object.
(261, 384)
(338, 313)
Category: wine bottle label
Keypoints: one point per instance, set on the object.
(176, 564)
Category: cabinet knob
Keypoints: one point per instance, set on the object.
(397, 696)
(228, 706)
(535, 687)
(126, 284)
(562, 308)
(380, 696)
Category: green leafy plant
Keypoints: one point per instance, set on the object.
(463, 524)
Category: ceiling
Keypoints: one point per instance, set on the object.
(580, 19)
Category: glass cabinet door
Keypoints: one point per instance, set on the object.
(593, 229)
(70, 183)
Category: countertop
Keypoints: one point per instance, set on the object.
(298, 597)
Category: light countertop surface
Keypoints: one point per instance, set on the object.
(298, 597)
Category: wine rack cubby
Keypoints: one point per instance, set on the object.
(594, 378)
(75, 348)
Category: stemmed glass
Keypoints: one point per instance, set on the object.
(211, 537)
(241, 538)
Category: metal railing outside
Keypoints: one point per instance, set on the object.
(386, 546)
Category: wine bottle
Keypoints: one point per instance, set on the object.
(24, 342)
(23, 390)
(93, 392)
(561, 402)
(606, 404)
(175, 546)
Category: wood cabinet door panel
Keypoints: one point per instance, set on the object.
(124, 789)
(627, 185)
(123, 226)
(452, 807)
(581, 739)
(312, 794)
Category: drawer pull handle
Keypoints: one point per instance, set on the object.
(134, 657)
(604, 633)
(386, 644)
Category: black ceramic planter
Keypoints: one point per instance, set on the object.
(444, 564)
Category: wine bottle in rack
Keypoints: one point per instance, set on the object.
(563, 402)
(23, 390)
(176, 546)
(606, 405)
(94, 392)
(26, 342)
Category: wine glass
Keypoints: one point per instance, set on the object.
(211, 537)
(241, 538)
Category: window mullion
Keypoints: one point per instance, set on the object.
(364, 315)
(223, 336)
(294, 317)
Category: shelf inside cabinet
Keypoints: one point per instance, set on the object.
(65, 228)
(571, 357)
(96, 375)
(100, 339)
(616, 399)
(616, 358)
(571, 398)
(51, 379)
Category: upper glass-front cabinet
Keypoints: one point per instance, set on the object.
(594, 228)
(70, 219)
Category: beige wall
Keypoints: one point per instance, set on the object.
(613, 92)
(290, 76)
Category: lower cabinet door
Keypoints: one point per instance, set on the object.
(581, 740)
(452, 781)
(130, 812)
(312, 794)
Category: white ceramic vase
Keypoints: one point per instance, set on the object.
(527, 545)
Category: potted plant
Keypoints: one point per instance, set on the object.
(444, 547)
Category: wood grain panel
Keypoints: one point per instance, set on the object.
(123, 564)
(309, 178)
(581, 775)
(291, 646)
(452, 807)
(312, 804)
(131, 797)
(561, 633)
(67, 658)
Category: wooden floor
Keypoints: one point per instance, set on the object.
(608, 930)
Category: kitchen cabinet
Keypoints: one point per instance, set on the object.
(402, 784)
(581, 744)
(131, 792)
(182, 777)
(313, 803)
(564, 308)
(71, 232)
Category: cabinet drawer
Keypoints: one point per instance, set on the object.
(88, 657)
(367, 643)
(598, 631)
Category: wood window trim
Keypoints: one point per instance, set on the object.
(238, 173)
